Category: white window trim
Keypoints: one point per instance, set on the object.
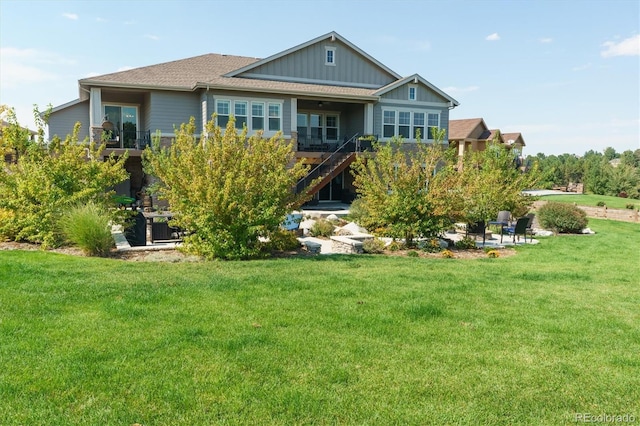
(328, 49)
(412, 125)
(265, 101)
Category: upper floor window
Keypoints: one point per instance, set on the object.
(275, 117)
(241, 114)
(223, 108)
(330, 56)
(255, 115)
(408, 124)
(413, 93)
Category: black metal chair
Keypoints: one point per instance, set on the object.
(520, 228)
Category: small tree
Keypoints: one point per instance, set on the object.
(50, 178)
(490, 182)
(395, 189)
(226, 190)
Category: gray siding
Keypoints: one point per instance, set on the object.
(168, 109)
(424, 94)
(61, 122)
(309, 64)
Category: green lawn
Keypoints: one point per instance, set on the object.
(530, 339)
(593, 200)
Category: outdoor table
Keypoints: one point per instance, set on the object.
(501, 225)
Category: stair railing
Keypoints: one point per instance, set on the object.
(330, 161)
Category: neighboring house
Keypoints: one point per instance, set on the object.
(319, 94)
(472, 134)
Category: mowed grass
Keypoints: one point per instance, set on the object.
(593, 200)
(535, 338)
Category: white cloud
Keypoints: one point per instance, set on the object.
(627, 47)
(493, 37)
(151, 37)
(453, 89)
(581, 67)
(99, 19)
(546, 40)
(92, 74)
(124, 68)
(72, 16)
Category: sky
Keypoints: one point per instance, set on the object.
(565, 74)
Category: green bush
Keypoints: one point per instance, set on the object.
(322, 228)
(413, 253)
(396, 245)
(562, 218)
(373, 246)
(466, 243)
(630, 206)
(283, 240)
(600, 204)
(88, 227)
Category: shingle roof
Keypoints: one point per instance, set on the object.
(513, 137)
(462, 129)
(209, 70)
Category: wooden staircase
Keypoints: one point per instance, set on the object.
(329, 168)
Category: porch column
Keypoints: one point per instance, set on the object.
(294, 122)
(95, 114)
(368, 119)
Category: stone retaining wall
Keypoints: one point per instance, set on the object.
(624, 215)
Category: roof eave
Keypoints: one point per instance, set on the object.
(202, 85)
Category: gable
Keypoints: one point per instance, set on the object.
(423, 93)
(472, 128)
(307, 63)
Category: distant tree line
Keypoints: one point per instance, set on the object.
(605, 173)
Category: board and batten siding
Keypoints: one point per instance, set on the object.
(308, 64)
(61, 122)
(169, 109)
(423, 94)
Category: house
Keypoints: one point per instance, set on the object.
(472, 134)
(322, 94)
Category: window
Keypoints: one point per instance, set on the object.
(409, 123)
(124, 123)
(330, 56)
(257, 115)
(241, 114)
(389, 124)
(254, 114)
(404, 124)
(418, 125)
(332, 127)
(223, 108)
(275, 117)
(434, 122)
(413, 93)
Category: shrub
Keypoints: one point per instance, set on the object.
(413, 253)
(448, 254)
(396, 245)
(562, 218)
(283, 240)
(600, 204)
(373, 246)
(322, 228)
(431, 246)
(630, 206)
(8, 230)
(87, 226)
(466, 243)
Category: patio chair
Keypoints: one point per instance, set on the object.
(530, 216)
(503, 221)
(520, 228)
